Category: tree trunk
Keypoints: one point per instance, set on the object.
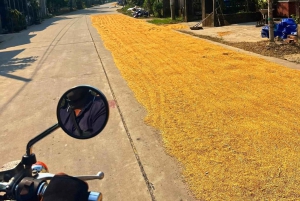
(185, 11)
(214, 14)
(71, 5)
(270, 20)
(297, 9)
(172, 7)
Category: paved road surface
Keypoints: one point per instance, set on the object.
(36, 67)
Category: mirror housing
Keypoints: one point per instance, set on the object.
(82, 112)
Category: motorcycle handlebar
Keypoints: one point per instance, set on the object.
(47, 176)
(39, 187)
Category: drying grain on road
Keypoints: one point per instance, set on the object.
(230, 119)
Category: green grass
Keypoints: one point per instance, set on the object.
(160, 21)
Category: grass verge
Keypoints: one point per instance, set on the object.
(162, 21)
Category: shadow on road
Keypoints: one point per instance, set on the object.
(16, 40)
(9, 64)
(10, 61)
(24, 36)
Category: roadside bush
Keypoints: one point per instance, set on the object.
(135, 2)
(125, 8)
(148, 5)
(261, 4)
(80, 4)
(17, 21)
(297, 19)
(157, 8)
(35, 11)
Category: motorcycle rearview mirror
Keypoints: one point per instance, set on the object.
(82, 112)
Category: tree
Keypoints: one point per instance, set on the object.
(55, 5)
(149, 5)
(136, 2)
(172, 7)
(297, 10)
(157, 8)
(270, 21)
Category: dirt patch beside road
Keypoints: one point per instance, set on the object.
(288, 51)
(244, 36)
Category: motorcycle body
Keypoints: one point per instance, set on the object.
(82, 113)
(140, 13)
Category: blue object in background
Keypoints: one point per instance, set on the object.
(288, 21)
(286, 27)
(265, 32)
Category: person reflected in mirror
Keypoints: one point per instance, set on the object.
(84, 112)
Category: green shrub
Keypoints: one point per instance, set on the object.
(125, 8)
(148, 5)
(17, 21)
(161, 21)
(262, 4)
(157, 8)
(297, 19)
(80, 4)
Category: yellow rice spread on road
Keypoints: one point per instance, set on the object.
(231, 119)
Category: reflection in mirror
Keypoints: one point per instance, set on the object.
(83, 112)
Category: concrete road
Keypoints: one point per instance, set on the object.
(36, 67)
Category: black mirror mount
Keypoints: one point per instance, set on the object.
(39, 137)
(29, 158)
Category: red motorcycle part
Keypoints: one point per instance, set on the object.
(40, 167)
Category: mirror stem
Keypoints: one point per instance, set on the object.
(39, 137)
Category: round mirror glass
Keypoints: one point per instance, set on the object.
(82, 112)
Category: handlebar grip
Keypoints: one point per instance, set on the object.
(33, 189)
(95, 196)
